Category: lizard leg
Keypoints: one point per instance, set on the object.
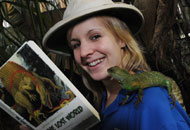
(173, 100)
(38, 116)
(139, 97)
(23, 101)
(168, 84)
(125, 100)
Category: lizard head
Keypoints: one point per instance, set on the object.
(118, 73)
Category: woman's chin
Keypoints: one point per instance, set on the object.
(99, 76)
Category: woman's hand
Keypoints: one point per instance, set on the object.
(23, 127)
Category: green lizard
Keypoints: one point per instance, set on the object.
(137, 82)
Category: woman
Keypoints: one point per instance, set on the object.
(99, 33)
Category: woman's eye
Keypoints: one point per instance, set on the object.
(76, 45)
(95, 37)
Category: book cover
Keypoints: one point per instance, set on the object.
(37, 94)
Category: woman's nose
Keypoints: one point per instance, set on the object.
(86, 49)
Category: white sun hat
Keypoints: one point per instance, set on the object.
(77, 10)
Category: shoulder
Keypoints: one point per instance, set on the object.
(157, 108)
(157, 93)
(156, 98)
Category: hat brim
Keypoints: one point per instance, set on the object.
(55, 39)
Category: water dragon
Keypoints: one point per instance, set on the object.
(137, 82)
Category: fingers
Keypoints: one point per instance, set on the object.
(23, 127)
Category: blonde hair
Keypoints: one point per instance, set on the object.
(133, 59)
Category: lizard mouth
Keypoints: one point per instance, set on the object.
(115, 74)
(111, 71)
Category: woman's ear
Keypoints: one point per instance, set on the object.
(123, 45)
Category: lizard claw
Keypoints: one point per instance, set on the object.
(173, 100)
(139, 100)
(33, 97)
(125, 100)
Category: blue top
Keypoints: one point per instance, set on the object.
(155, 113)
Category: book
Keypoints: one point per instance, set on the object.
(37, 94)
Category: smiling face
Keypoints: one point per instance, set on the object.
(95, 48)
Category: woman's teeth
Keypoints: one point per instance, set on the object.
(95, 62)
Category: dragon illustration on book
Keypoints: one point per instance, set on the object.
(30, 91)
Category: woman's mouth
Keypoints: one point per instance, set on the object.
(95, 62)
